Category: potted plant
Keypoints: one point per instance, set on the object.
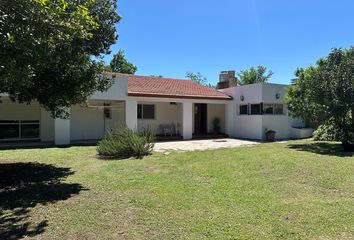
(216, 125)
(270, 135)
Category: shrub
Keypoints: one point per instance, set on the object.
(216, 125)
(326, 132)
(124, 142)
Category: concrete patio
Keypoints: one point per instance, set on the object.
(193, 145)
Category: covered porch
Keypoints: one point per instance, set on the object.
(173, 119)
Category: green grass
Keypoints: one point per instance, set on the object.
(294, 190)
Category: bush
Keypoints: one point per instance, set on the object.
(326, 132)
(123, 142)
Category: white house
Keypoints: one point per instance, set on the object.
(167, 106)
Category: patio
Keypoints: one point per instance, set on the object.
(193, 145)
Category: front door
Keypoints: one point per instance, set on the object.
(200, 118)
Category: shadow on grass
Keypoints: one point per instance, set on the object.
(22, 187)
(323, 148)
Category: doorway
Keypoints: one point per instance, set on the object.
(200, 118)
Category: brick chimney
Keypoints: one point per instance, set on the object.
(227, 79)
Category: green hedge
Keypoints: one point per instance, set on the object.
(326, 132)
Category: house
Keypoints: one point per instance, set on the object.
(167, 106)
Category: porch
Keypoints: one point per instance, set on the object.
(176, 119)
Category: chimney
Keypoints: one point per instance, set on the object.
(227, 79)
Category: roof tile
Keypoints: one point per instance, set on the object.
(147, 86)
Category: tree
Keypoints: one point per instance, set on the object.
(47, 49)
(325, 93)
(197, 77)
(121, 65)
(254, 75)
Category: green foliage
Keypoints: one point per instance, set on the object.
(216, 124)
(254, 75)
(325, 92)
(326, 132)
(121, 65)
(298, 97)
(197, 77)
(47, 49)
(124, 143)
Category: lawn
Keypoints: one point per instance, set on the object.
(292, 190)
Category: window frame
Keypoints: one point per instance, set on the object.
(263, 109)
(107, 111)
(247, 109)
(260, 109)
(274, 109)
(142, 117)
(19, 124)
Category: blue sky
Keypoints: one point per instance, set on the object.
(171, 37)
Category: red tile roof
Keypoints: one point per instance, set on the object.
(144, 86)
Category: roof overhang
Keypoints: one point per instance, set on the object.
(154, 95)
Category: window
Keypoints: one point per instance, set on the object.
(278, 109)
(146, 111)
(243, 109)
(29, 129)
(268, 108)
(107, 111)
(255, 109)
(17, 130)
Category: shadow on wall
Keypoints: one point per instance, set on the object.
(22, 187)
(324, 148)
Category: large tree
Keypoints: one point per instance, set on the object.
(197, 77)
(48, 47)
(325, 93)
(254, 75)
(121, 65)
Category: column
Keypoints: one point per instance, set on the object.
(230, 119)
(62, 131)
(187, 120)
(131, 114)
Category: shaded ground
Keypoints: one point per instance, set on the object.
(290, 190)
(23, 185)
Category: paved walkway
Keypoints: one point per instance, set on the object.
(193, 145)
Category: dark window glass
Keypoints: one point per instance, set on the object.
(278, 109)
(255, 109)
(29, 131)
(243, 109)
(8, 121)
(30, 121)
(9, 131)
(140, 113)
(267, 108)
(148, 111)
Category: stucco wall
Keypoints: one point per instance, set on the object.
(47, 126)
(89, 123)
(248, 126)
(254, 126)
(118, 91)
(16, 111)
(216, 110)
(165, 113)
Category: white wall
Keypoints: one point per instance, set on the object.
(47, 126)
(15, 111)
(165, 113)
(118, 91)
(89, 123)
(248, 127)
(254, 126)
(216, 110)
